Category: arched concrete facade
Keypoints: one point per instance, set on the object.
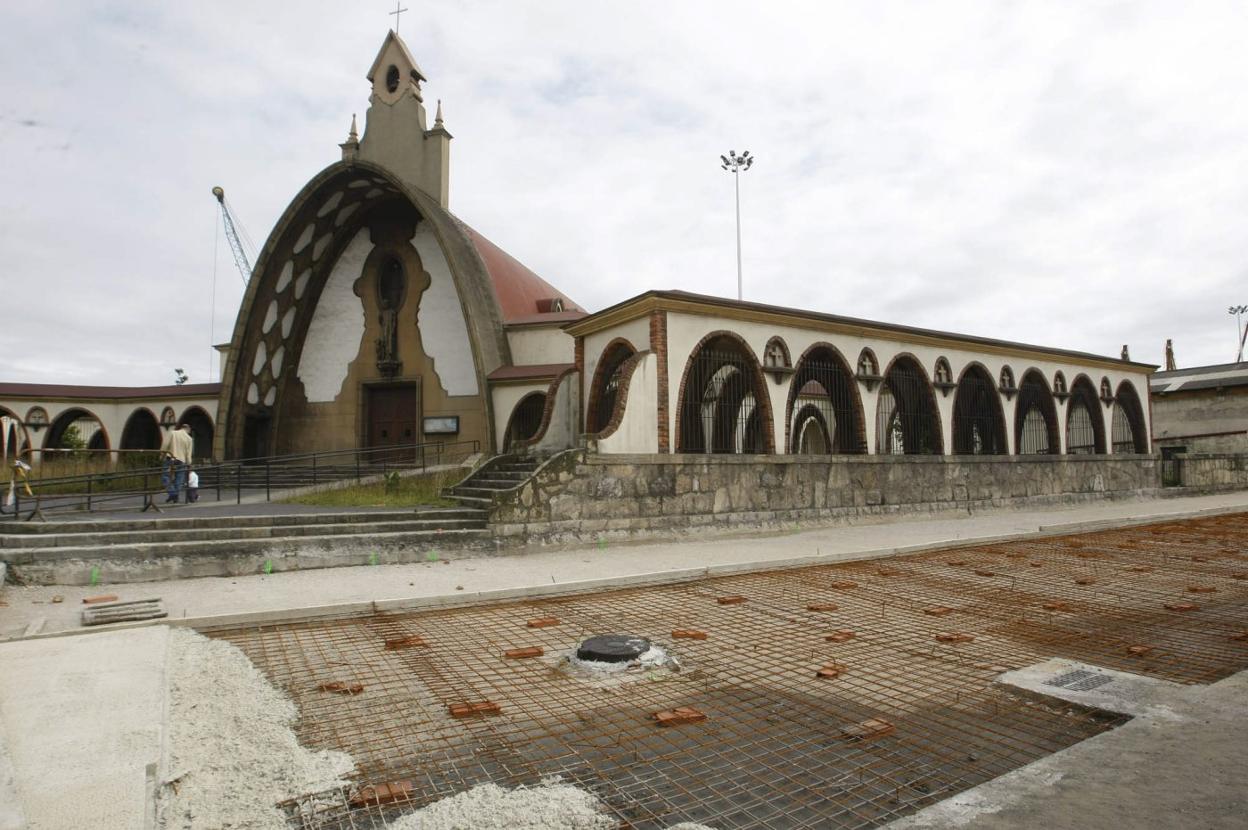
(677, 322)
(306, 354)
(112, 407)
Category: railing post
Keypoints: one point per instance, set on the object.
(268, 481)
(357, 464)
(89, 480)
(238, 483)
(313, 470)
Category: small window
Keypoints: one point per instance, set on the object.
(392, 78)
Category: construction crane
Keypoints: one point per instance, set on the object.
(232, 233)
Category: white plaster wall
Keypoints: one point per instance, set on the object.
(635, 331)
(540, 345)
(440, 320)
(504, 397)
(564, 427)
(112, 413)
(639, 430)
(337, 326)
(684, 331)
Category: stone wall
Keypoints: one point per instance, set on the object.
(1210, 471)
(576, 496)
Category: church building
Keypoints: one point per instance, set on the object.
(376, 317)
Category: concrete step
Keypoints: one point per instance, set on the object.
(189, 521)
(493, 483)
(484, 502)
(182, 560)
(58, 540)
(473, 491)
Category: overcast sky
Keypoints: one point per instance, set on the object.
(1071, 175)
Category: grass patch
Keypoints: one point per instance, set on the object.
(396, 491)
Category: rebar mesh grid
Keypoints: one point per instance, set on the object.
(773, 751)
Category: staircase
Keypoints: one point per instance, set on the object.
(502, 472)
(141, 550)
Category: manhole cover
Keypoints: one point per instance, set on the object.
(1079, 680)
(613, 648)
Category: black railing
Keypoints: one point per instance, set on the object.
(906, 420)
(720, 405)
(1212, 471)
(144, 489)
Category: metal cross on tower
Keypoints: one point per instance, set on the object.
(397, 11)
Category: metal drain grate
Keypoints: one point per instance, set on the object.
(1079, 680)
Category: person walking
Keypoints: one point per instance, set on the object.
(177, 450)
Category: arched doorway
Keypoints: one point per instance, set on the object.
(1085, 428)
(978, 422)
(201, 431)
(76, 429)
(605, 386)
(723, 404)
(1035, 417)
(906, 420)
(526, 419)
(825, 410)
(1128, 422)
(141, 432)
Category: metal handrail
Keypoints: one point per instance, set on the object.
(96, 490)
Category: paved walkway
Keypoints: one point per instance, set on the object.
(89, 706)
(1178, 763)
(34, 608)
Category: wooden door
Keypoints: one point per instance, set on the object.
(393, 416)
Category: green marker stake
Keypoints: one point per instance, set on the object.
(602, 543)
(372, 560)
(432, 556)
(95, 576)
(268, 566)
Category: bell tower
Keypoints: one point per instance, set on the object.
(396, 135)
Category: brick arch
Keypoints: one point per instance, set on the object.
(1084, 395)
(627, 368)
(907, 382)
(547, 412)
(977, 412)
(532, 407)
(610, 361)
(1034, 393)
(1129, 413)
(12, 443)
(750, 368)
(849, 435)
(141, 431)
(56, 429)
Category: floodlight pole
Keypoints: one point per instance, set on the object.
(1240, 333)
(735, 164)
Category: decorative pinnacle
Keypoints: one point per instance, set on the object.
(353, 135)
(437, 118)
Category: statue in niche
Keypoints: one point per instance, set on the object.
(390, 289)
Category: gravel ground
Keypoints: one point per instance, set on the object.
(232, 753)
(551, 806)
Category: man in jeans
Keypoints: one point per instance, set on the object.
(177, 451)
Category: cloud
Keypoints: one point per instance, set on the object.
(1069, 175)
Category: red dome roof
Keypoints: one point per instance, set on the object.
(523, 297)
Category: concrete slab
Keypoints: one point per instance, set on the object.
(90, 705)
(12, 816)
(456, 577)
(1098, 688)
(1179, 763)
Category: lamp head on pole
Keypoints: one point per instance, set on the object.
(734, 163)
